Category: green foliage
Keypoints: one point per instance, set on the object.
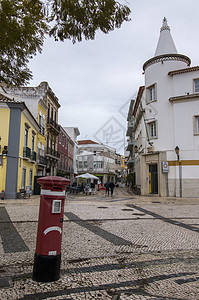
(24, 24)
(22, 33)
(75, 19)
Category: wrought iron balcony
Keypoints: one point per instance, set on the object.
(42, 160)
(53, 125)
(52, 152)
(33, 155)
(26, 152)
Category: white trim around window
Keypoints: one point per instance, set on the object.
(153, 129)
(196, 125)
(151, 93)
(196, 85)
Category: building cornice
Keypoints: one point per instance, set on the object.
(181, 71)
(184, 98)
(166, 57)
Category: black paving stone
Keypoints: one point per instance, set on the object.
(112, 238)
(164, 219)
(108, 286)
(11, 240)
(4, 283)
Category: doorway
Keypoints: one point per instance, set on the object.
(153, 179)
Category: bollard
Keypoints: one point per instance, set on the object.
(47, 258)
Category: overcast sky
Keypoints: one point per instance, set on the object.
(95, 80)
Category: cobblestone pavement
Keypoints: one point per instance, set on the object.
(121, 247)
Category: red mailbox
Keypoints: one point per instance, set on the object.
(50, 225)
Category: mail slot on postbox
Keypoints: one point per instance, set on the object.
(50, 225)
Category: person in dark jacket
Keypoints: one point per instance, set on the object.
(112, 185)
(107, 187)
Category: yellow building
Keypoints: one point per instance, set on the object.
(44, 105)
(124, 166)
(18, 140)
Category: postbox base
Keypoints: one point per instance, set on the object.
(46, 268)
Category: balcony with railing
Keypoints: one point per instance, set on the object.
(52, 153)
(33, 155)
(41, 160)
(52, 125)
(26, 152)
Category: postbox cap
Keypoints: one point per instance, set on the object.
(53, 182)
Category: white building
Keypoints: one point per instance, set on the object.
(99, 160)
(165, 117)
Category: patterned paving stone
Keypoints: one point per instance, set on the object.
(125, 247)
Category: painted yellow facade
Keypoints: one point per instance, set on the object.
(27, 164)
(15, 119)
(4, 134)
(41, 112)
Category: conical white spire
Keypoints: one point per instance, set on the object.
(165, 42)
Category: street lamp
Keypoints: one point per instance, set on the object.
(177, 151)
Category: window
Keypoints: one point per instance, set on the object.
(152, 129)
(42, 122)
(196, 125)
(23, 183)
(43, 126)
(33, 142)
(196, 85)
(30, 179)
(151, 93)
(85, 164)
(40, 118)
(98, 164)
(48, 111)
(80, 164)
(26, 138)
(51, 113)
(42, 149)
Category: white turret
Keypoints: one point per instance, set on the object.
(166, 50)
(159, 86)
(165, 43)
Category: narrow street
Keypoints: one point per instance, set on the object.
(120, 247)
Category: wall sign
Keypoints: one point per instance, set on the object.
(165, 166)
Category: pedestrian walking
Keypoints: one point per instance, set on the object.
(112, 185)
(107, 187)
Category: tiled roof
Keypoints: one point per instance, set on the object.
(4, 98)
(85, 142)
(137, 102)
(186, 70)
